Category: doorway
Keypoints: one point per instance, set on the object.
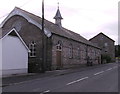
(58, 59)
(58, 55)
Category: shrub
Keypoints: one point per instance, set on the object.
(106, 59)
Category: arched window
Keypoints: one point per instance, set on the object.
(32, 47)
(59, 45)
(78, 53)
(70, 51)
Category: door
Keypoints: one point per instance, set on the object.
(58, 59)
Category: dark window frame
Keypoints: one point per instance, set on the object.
(32, 47)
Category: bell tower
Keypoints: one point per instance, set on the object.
(58, 17)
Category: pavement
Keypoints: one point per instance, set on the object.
(17, 78)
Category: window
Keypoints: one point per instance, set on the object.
(32, 47)
(106, 47)
(106, 44)
(78, 53)
(59, 45)
(101, 38)
(70, 51)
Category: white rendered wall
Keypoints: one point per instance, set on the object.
(0, 60)
(0, 56)
(14, 56)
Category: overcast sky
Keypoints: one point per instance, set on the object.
(86, 17)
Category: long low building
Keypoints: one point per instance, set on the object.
(62, 48)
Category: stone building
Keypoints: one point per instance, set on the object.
(106, 44)
(64, 48)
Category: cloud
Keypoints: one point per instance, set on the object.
(86, 17)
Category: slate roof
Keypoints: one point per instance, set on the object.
(58, 15)
(103, 35)
(55, 29)
(3, 33)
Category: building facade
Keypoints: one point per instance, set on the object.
(63, 48)
(106, 44)
(14, 53)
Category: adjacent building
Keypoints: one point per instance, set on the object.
(106, 44)
(63, 48)
(14, 53)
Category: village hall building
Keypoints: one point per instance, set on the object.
(106, 44)
(63, 48)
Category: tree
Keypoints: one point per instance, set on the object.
(106, 58)
(117, 51)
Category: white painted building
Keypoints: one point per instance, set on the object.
(14, 54)
(0, 53)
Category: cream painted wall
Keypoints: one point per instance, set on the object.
(14, 56)
(0, 56)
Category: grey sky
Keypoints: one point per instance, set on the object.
(86, 17)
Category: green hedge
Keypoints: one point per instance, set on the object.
(106, 59)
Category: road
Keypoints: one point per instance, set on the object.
(100, 79)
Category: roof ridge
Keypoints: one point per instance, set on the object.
(102, 34)
(27, 12)
(70, 30)
(46, 20)
(34, 15)
(52, 27)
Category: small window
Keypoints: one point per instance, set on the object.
(70, 51)
(106, 44)
(78, 53)
(101, 38)
(59, 46)
(32, 47)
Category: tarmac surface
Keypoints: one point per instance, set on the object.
(13, 79)
(99, 79)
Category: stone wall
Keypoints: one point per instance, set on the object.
(80, 53)
(29, 33)
(106, 44)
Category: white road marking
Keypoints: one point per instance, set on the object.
(109, 69)
(46, 91)
(76, 81)
(37, 89)
(98, 72)
(18, 83)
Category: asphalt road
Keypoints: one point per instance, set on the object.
(100, 79)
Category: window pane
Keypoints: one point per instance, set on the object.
(32, 47)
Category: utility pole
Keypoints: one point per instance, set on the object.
(43, 41)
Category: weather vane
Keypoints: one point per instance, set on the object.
(58, 5)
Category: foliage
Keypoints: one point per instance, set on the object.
(117, 51)
(106, 58)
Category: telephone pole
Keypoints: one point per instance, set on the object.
(43, 41)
